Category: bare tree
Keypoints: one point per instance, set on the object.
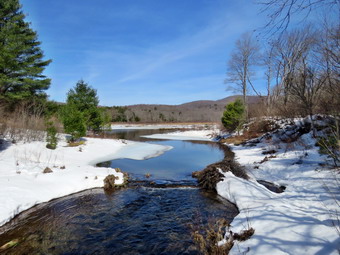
(330, 50)
(301, 76)
(281, 12)
(308, 83)
(268, 63)
(239, 67)
(288, 52)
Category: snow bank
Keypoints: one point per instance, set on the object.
(23, 183)
(298, 221)
(195, 135)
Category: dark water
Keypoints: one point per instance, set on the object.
(131, 221)
(135, 220)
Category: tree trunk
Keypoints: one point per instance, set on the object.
(312, 125)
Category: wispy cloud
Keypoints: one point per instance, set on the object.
(173, 52)
(140, 46)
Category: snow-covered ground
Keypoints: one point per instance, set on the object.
(198, 135)
(23, 183)
(297, 221)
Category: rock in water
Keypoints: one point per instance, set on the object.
(109, 182)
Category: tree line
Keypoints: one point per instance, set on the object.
(301, 68)
(301, 65)
(301, 71)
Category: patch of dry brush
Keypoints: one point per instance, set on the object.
(211, 175)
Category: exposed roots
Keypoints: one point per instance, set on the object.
(211, 175)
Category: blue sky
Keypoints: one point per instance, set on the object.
(141, 51)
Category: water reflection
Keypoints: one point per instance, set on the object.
(131, 221)
(137, 220)
(174, 165)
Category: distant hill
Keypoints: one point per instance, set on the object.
(196, 111)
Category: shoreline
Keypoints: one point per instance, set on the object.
(24, 185)
(297, 221)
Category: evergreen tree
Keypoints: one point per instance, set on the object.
(21, 59)
(233, 116)
(85, 100)
(83, 96)
(74, 122)
(51, 137)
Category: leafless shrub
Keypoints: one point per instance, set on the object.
(259, 109)
(244, 235)
(329, 143)
(25, 123)
(262, 126)
(207, 239)
(252, 131)
(211, 175)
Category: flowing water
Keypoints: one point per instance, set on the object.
(140, 219)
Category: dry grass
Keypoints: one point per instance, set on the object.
(211, 175)
(76, 143)
(26, 123)
(237, 140)
(207, 239)
(110, 182)
(252, 130)
(244, 235)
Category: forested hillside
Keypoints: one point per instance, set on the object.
(197, 111)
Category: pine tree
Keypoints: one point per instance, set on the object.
(85, 100)
(51, 136)
(74, 122)
(83, 96)
(233, 116)
(21, 59)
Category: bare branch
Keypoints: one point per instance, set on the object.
(239, 66)
(280, 12)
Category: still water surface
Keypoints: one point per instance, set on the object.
(176, 164)
(136, 220)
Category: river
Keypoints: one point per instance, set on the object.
(151, 216)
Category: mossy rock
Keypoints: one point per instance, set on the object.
(51, 146)
(47, 170)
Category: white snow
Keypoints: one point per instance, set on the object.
(23, 183)
(297, 221)
(198, 135)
